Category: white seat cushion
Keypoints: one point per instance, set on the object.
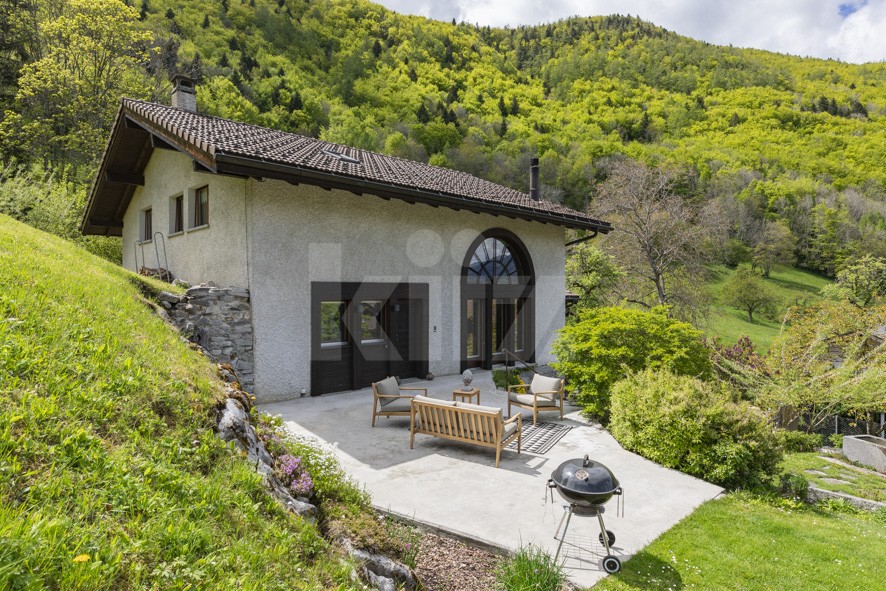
(545, 384)
(397, 405)
(477, 407)
(437, 401)
(508, 430)
(528, 398)
(388, 387)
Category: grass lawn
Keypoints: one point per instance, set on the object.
(792, 286)
(739, 542)
(858, 482)
(111, 476)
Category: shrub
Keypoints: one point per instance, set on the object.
(530, 569)
(836, 440)
(794, 486)
(502, 378)
(696, 427)
(606, 343)
(798, 441)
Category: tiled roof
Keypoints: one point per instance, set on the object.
(212, 139)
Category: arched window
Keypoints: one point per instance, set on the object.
(493, 262)
(498, 308)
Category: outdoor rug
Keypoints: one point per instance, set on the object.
(538, 439)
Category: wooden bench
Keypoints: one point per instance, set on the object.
(465, 422)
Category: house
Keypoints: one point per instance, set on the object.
(357, 265)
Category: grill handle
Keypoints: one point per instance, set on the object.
(586, 462)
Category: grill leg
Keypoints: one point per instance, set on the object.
(603, 533)
(568, 517)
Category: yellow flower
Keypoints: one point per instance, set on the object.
(81, 558)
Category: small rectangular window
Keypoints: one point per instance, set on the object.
(178, 214)
(147, 226)
(201, 206)
(332, 323)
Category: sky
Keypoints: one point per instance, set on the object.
(849, 30)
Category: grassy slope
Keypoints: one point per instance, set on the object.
(859, 482)
(791, 285)
(106, 446)
(740, 543)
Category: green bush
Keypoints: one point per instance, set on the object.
(794, 486)
(607, 343)
(696, 427)
(530, 569)
(502, 378)
(836, 440)
(798, 441)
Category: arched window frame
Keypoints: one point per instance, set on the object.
(521, 289)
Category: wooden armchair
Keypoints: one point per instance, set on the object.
(388, 399)
(544, 394)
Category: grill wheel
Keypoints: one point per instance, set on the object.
(611, 564)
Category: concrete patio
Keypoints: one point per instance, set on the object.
(456, 487)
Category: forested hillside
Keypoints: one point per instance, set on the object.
(771, 137)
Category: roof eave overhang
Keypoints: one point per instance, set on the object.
(129, 118)
(244, 166)
(219, 162)
(87, 226)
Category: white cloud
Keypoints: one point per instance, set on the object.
(800, 27)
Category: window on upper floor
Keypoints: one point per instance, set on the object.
(147, 225)
(177, 214)
(201, 207)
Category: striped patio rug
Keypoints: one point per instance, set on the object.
(538, 439)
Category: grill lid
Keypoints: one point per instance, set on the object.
(584, 476)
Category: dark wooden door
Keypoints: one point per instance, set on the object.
(363, 333)
(406, 331)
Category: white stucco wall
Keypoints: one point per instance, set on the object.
(302, 234)
(216, 252)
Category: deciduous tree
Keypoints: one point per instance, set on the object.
(746, 291)
(655, 238)
(68, 98)
(775, 248)
(592, 274)
(829, 359)
(861, 283)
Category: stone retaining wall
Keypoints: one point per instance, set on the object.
(219, 319)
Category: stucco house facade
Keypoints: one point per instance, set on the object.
(358, 265)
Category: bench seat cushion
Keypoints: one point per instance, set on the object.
(509, 429)
(428, 422)
(470, 406)
(528, 398)
(437, 401)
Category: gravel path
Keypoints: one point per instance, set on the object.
(445, 564)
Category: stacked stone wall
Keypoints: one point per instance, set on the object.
(219, 319)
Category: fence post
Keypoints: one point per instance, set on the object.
(836, 424)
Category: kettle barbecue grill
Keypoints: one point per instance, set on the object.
(586, 485)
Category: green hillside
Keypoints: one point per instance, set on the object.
(111, 476)
(791, 287)
(772, 136)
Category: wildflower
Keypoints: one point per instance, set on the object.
(81, 558)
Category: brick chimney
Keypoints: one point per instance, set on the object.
(184, 93)
(534, 192)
